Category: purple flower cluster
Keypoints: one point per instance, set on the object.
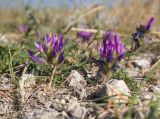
(111, 49)
(23, 28)
(86, 36)
(51, 50)
(149, 24)
(140, 32)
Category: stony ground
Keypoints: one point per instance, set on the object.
(130, 96)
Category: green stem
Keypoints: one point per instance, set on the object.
(52, 77)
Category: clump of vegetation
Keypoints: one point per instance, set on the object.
(86, 36)
(138, 36)
(111, 51)
(51, 52)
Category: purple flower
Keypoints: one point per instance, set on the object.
(139, 34)
(110, 42)
(36, 59)
(57, 45)
(149, 24)
(61, 58)
(39, 46)
(84, 35)
(60, 42)
(120, 52)
(51, 49)
(47, 40)
(23, 28)
(111, 50)
(118, 46)
(109, 56)
(53, 39)
(101, 51)
(105, 35)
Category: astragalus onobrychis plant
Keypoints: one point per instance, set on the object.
(85, 41)
(138, 36)
(111, 51)
(49, 52)
(85, 36)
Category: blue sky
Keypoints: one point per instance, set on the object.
(55, 3)
(59, 3)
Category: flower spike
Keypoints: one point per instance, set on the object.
(51, 49)
(149, 24)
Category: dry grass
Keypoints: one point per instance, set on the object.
(126, 15)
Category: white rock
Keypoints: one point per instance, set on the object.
(78, 83)
(77, 110)
(146, 96)
(3, 39)
(27, 76)
(147, 56)
(155, 89)
(27, 80)
(121, 86)
(63, 101)
(143, 63)
(24, 83)
(118, 88)
(47, 104)
(132, 73)
(76, 80)
(49, 115)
